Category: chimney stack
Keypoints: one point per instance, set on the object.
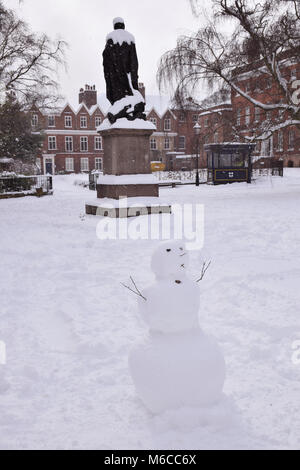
(88, 96)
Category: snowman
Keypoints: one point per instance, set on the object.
(178, 365)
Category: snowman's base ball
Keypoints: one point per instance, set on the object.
(178, 370)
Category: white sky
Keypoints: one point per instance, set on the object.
(84, 25)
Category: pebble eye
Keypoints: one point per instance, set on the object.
(169, 250)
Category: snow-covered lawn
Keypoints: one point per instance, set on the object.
(69, 325)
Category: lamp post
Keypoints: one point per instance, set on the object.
(197, 130)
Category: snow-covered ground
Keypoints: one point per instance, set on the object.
(69, 325)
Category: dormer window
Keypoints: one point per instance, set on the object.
(34, 120)
(68, 121)
(83, 122)
(154, 121)
(167, 124)
(98, 121)
(51, 121)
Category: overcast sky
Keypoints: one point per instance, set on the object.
(84, 24)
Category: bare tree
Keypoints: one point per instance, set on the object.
(265, 38)
(28, 62)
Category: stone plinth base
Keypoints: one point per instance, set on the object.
(127, 208)
(116, 213)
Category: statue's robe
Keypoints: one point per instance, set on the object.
(119, 61)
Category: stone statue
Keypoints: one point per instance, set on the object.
(120, 64)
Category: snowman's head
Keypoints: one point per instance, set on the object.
(170, 260)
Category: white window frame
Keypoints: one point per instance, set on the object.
(291, 140)
(154, 121)
(182, 117)
(53, 120)
(98, 143)
(167, 124)
(153, 143)
(35, 120)
(238, 117)
(99, 160)
(69, 164)
(52, 143)
(98, 121)
(68, 121)
(167, 143)
(182, 138)
(280, 141)
(247, 115)
(84, 164)
(84, 140)
(206, 122)
(195, 118)
(68, 141)
(83, 122)
(257, 114)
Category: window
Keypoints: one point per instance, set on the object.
(280, 141)
(99, 164)
(195, 118)
(247, 115)
(98, 143)
(167, 143)
(182, 142)
(238, 117)
(52, 143)
(216, 137)
(51, 121)
(34, 120)
(268, 116)
(84, 144)
(154, 121)
(257, 147)
(153, 144)
(291, 140)
(293, 75)
(206, 122)
(83, 122)
(182, 117)
(257, 114)
(167, 124)
(269, 83)
(68, 121)
(69, 144)
(69, 164)
(98, 121)
(248, 88)
(84, 164)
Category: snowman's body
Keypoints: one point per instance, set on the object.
(178, 365)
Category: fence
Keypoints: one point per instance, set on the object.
(25, 185)
(181, 177)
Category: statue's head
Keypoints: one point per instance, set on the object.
(119, 23)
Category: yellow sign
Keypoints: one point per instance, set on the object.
(158, 166)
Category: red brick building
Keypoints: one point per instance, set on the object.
(285, 143)
(71, 142)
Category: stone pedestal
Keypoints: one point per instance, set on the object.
(127, 170)
(126, 151)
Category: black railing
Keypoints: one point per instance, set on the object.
(25, 184)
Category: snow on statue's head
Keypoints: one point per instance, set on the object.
(119, 23)
(170, 260)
